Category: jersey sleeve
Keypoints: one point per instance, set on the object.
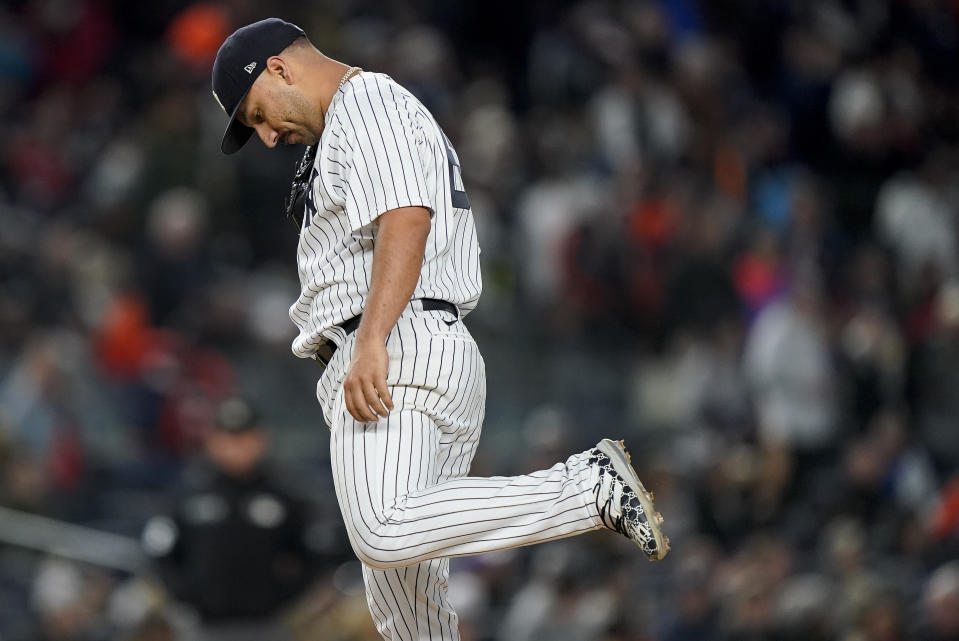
(385, 153)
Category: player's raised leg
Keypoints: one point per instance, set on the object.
(472, 515)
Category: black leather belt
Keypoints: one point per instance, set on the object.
(325, 351)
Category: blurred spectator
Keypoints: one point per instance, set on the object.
(235, 545)
(934, 361)
(789, 363)
(176, 269)
(196, 33)
(696, 613)
(916, 217)
(69, 600)
(872, 348)
(940, 601)
(944, 520)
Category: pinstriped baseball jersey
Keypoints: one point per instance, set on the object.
(401, 482)
(380, 150)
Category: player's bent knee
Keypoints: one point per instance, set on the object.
(380, 559)
(373, 537)
(376, 552)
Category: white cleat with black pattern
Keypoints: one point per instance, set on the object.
(624, 505)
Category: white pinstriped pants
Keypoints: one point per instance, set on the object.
(402, 487)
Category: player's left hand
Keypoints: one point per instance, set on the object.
(364, 388)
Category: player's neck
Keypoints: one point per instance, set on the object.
(329, 72)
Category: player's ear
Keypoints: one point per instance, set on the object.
(280, 68)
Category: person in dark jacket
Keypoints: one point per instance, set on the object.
(233, 547)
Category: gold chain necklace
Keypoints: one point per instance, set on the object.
(346, 76)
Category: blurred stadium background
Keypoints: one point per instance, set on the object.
(723, 230)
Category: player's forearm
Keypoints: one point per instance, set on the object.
(397, 261)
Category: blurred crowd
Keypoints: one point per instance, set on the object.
(724, 230)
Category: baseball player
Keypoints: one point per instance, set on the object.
(389, 266)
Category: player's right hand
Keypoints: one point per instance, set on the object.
(364, 389)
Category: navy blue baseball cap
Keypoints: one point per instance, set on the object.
(239, 62)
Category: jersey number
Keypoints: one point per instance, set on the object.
(458, 197)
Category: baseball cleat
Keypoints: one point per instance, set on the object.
(624, 504)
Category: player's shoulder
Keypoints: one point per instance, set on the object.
(367, 81)
(375, 87)
(374, 100)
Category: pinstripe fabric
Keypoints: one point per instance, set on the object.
(380, 150)
(401, 482)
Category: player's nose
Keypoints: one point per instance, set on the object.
(267, 134)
